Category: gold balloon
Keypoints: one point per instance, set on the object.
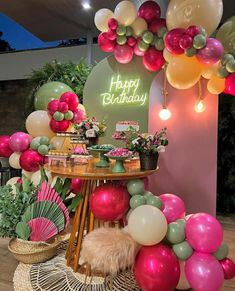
(125, 13)
(183, 72)
(209, 70)
(183, 282)
(216, 85)
(167, 56)
(183, 13)
(102, 17)
(14, 160)
(139, 26)
(226, 35)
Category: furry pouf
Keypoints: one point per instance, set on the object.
(109, 250)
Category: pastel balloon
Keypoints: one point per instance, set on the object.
(216, 85)
(228, 268)
(173, 207)
(59, 126)
(14, 160)
(153, 60)
(135, 187)
(204, 272)
(183, 72)
(19, 141)
(204, 233)
(147, 225)
(211, 53)
(78, 116)
(36, 177)
(53, 106)
(230, 85)
(125, 13)
(30, 160)
(37, 124)
(5, 150)
(139, 26)
(137, 51)
(172, 41)
(102, 18)
(183, 282)
(57, 142)
(156, 268)
(149, 11)
(27, 174)
(123, 54)
(71, 99)
(136, 201)
(48, 92)
(167, 55)
(183, 13)
(222, 252)
(175, 233)
(76, 185)
(182, 250)
(209, 70)
(226, 35)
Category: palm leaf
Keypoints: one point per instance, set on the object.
(22, 230)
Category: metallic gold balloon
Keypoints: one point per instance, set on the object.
(216, 85)
(226, 34)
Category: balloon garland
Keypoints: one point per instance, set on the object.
(181, 41)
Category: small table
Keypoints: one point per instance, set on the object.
(91, 177)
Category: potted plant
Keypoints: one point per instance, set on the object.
(148, 146)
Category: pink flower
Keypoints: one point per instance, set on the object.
(87, 126)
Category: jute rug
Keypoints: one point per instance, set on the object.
(54, 275)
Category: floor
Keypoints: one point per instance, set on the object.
(8, 263)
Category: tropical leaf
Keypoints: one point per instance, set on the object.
(22, 230)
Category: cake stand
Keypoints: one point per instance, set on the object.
(103, 160)
(118, 167)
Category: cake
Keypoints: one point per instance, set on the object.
(126, 126)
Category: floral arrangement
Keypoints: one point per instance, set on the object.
(147, 143)
(90, 127)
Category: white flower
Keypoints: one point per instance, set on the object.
(135, 141)
(160, 149)
(96, 128)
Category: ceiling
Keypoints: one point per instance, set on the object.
(52, 20)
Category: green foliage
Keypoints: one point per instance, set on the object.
(226, 155)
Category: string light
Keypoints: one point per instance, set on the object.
(164, 113)
(200, 105)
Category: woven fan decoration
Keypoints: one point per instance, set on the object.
(42, 229)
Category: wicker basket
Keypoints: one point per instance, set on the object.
(29, 252)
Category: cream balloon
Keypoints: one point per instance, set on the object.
(36, 177)
(125, 13)
(183, 282)
(37, 124)
(14, 160)
(209, 70)
(27, 174)
(139, 26)
(216, 85)
(226, 35)
(147, 225)
(102, 17)
(183, 13)
(58, 142)
(167, 55)
(82, 107)
(12, 182)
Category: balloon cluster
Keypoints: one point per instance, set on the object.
(128, 32)
(41, 145)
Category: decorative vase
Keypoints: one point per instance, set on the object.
(93, 141)
(148, 161)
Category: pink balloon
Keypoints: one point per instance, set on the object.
(63, 107)
(204, 272)
(106, 45)
(156, 24)
(109, 202)
(112, 24)
(149, 10)
(76, 185)
(59, 126)
(174, 207)
(172, 41)
(211, 53)
(193, 30)
(123, 53)
(228, 268)
(153, 60)
(5, 150)
(19, 141)
(156, 268)
(111, 34)
(230, 85)
(53, 106)
(137, 51)
(78, 116)
(186, 42)
(131, 41)
(30, 160)
(204, 232)
(71, 99)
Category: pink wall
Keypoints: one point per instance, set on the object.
(189, 165)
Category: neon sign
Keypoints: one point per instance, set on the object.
(124, 92)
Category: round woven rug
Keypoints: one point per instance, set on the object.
(54, 275)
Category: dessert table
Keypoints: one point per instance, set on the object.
(91, 177)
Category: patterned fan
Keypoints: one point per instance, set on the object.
(42, 229)
(49, 194)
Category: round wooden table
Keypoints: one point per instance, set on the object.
(91, 178)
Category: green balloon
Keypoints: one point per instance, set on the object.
(143, 46)
(183, 250)
(44, 140)
(136, 201)
(128, 214)
(222, 252)
(162, 31)
(226, 35)
(181, 222)
(34, 144)
(154, 201)
(199, 41)
(122, 39)
(121, 30)
(190, 52)
(68, 115)
(226, 58)
(159, 44)
(148, 37)
(147, 193)
(202, 31)
(48, 92)
(222, 72)
(43, 150)
(175, 233)
(135, 187)
(129, 31)
(58, 116)
(230, 66)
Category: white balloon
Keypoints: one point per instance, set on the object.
(102, 17)
(36, 177)
(14, 160)
(125, 12)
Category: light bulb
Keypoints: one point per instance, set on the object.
(200, 106)
(86, 5)
(164, 114)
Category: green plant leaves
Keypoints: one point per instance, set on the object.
(22, 230)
